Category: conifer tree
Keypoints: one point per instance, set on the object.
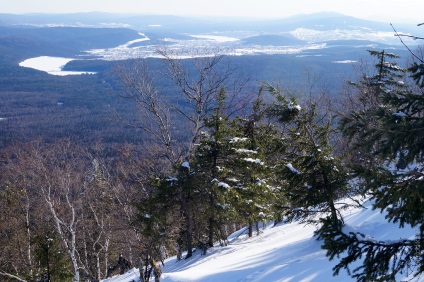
(314, 178)
(174, 202)
(395, 185)
(360, 125)
(210, 161)
(251, 170)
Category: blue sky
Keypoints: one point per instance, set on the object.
(381, 10)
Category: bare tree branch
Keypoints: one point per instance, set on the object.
(406, 46)
(12, 276)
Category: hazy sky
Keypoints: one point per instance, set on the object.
(382, 10)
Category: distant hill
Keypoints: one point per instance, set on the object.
(354, 43)
(319, 21)
(16, 49)
(275, 40)
(25, 42)
(78, 37)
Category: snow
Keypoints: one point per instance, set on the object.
(392, 66)
(345, 62)
(292, 106)
(217, 38)
(292, 169)
(286, 252)
(131, 275)
(238, 139)
(246, 151)
(400, 114)
(194, 48)
(312, 35)
(186, 165)
(51, 65)
(224, 185)
(256, 161)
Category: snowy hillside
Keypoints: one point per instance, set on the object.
(286, 252)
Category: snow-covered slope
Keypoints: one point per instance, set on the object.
(286, 252)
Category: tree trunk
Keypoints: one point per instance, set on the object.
(71, 244)
(333, 212)
(189, 232)
(140, 269)
(211, 224)
(250, 227)
(28, 230)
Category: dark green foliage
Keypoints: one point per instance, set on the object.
(417, 71)
(314, 177)
(379, 261)
(283, 109)
(51, 261)
(210, 160)
(392, 130)
(251, 166)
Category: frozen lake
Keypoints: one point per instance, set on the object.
(51, 65)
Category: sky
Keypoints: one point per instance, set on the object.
(381, 10)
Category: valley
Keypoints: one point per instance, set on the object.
(286, 52)
(197, 148)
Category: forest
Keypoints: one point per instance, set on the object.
(200, 154)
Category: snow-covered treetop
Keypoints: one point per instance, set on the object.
(186, 165)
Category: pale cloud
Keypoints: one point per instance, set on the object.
(383, 10)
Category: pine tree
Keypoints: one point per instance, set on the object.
(52, 263)
(361, 125)
(210, 161)
(395, 185)
(251, 169)
(314, 177)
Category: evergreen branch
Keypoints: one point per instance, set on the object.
(382, 260)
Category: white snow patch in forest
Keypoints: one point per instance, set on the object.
(400, 114)
(220, 169)
(238, 139)
(186, 165)
(246, 151)
(292, 169)
(292, 106)
(256, 161)
(224, 185)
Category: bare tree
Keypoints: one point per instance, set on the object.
(198, 82)
(154, 116)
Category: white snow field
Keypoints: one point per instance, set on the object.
(286, 252)
(51, 65)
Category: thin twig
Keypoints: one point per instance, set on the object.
(406, 46)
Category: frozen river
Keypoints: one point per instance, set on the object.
(51, 65)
